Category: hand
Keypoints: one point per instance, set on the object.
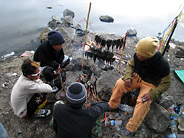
(88, 105)
(128, 82)
(145, 97)
(59, 69)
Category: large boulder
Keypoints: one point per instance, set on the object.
(106, 18)
(158, 118)
(54, 23)
(179, 51)
(72, 76)
(106, 83)
(44, 34)
(131, 32)
(68, 12)
(67, 21)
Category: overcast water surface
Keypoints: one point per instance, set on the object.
(22, 21)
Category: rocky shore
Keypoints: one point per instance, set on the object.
(104, 75)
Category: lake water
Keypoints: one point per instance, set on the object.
(22, 21)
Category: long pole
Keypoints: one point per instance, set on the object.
(170, 33)
(124, 42)
(82, 58)
(174, 27)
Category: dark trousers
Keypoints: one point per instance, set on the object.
(53, 79)
(37, 100)
(48, 73)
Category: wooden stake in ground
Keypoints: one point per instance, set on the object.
(123, 48)
(82, 58)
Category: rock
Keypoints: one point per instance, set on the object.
(79, 31)
(78, 27)
(172, 45)
(49, 7)
(107, 67)
(167, 101)
(180, 52)
(72, 76)
(131, 32)
(67, 21)
(106, 18)
(44, 34)
(68, 12)
(158, 118)
(8, 75)
(54, 23)
(106, 83)
(75, 69)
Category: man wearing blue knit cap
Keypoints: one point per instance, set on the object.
(51, 56)
(72, 120)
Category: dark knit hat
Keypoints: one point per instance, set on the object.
(76, 93)
(55, 38)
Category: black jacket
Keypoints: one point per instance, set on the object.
(76, 123)
(154, 68)
(47, 56)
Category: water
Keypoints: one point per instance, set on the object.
(21, 21)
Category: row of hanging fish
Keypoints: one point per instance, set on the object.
(97, 53)
(109, 42)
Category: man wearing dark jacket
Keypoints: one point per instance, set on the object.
(73, 121)
(50, 55)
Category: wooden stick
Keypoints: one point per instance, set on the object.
(122, 52)
(85, 35)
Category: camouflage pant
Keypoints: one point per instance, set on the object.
(97, 129)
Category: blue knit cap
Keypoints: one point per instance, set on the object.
(76, 93)
(55, 38)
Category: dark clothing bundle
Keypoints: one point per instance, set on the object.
(154, 68)
(47, 56)
(76, 123)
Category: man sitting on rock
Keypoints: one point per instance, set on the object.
(51, 56)
(29, 94)
(147, 70)
(71, 120)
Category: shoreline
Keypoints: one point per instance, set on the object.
(33, 44)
